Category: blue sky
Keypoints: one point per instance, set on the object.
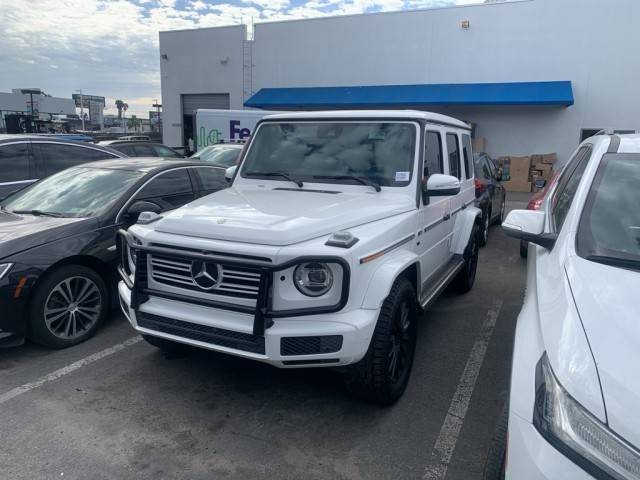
(110, 47)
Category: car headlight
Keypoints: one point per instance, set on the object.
(578, 434)
(4, 269)
(313, 279)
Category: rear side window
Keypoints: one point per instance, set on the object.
(163, 151)
(211, 179)
(432, 154)
(171, 183)
(453, 149)
(14, 162)
(466, 154)
(57, 157)
(128, 150)
(567, 187)
(143, 150)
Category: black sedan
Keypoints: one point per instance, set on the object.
(57, 241)
(134, 148)
(490, 194)
(26, 158)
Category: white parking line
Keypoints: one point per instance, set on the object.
(448, 437)
(68, 369)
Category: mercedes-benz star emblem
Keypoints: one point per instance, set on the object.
(207, 276)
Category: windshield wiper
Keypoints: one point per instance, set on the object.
(362, 180)
(275, 174)
(39, 213)
(615, 261)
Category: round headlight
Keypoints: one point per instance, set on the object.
(313, 279)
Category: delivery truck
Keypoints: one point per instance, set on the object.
(213, 126)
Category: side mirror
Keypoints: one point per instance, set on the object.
(230, 172)
(528, 225)
(136, 208)
(438, 185)
(540, 183)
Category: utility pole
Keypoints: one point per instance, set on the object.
(30, 92)
(81, 108)
(157, 106)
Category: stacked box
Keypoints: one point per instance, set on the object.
(541, 168)
(519, 171)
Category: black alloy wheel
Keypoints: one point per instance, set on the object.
(67, 307)
(383, 374)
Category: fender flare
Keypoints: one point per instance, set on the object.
(463, 227)
(386, 274)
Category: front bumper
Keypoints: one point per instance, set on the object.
(15, 288)
(233, 333)
(531, 457)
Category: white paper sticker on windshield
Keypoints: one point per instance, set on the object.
(402, 176)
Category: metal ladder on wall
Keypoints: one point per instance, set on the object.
(247, 63)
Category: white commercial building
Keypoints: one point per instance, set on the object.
(533, 76)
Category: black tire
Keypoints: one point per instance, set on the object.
(167, 347)
(467, 276)
(377, 377)
(50, 324)
(495, 465)
(524, 249)
(483, 231)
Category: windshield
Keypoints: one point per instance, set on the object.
(382, 153)
(218, 154)
(75, 192)
(610, 224)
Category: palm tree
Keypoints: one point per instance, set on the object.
(133, 123)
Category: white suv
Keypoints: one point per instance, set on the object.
(337, 228)
(575, 385)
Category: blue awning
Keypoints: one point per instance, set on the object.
(412, 96)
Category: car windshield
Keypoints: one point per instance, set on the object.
(75, 192)
(609, 229)
(377, 152)
(218, 154)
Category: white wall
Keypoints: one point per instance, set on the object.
(589, 42)
(193, 65)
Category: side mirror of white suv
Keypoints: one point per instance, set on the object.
(230, 172)
(439, 185)
(528, 225)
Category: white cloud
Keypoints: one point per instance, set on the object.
(110, 47)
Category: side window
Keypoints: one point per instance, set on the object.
(432, 154)
(57, 157)
(168, 190)
(163, 151)
(466, 151)
(482, 169)
(211, 179)
(14, 162)
(492, 167)
(143, 150)
(453, 149)
(567, 187)
(126, 149)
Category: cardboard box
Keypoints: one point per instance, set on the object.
(550, 158)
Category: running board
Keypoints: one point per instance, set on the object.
(435, 286)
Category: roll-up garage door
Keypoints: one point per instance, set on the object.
(192, 102)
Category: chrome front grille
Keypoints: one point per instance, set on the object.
(234, 281)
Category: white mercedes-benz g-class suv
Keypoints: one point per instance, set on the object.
(338, 228)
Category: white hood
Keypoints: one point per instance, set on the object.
(283, 217)
(607, 300)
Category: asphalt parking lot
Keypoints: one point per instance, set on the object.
(115, 408)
